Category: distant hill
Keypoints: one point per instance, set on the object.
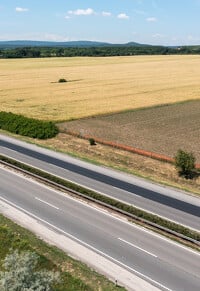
(30, 43)
(36, 49)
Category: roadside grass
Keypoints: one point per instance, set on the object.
(75, 275)
(96, 85)
(154, 170)
(144, 167)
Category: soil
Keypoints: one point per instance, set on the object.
(163, 130)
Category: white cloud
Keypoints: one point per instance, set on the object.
(122, 16)
(104, 13)
(193, 38)
(35, 36)
(53, 37)
(174, 38)
(158, 35)
(67, 17)
(20, 9)
(151, 19)
(88, 11)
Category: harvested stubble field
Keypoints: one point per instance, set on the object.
(105, 85)
(162, 130)
(95, 85)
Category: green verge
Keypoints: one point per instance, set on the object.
(75, 276)
(108, 200)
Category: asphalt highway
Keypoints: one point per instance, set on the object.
(163, 263)
(166, 202)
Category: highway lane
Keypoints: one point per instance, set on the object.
(166, 202)
(164, 263)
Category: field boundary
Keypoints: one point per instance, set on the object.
(162, 158)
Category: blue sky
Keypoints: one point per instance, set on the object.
(165, 22)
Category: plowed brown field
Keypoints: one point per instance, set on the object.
(162, 130)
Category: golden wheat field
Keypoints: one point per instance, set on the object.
(95, 85)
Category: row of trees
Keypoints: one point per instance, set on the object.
(31, 127)
(36, 52)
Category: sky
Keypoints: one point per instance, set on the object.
(158, 22)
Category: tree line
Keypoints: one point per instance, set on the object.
(105, 51)
(25, 126)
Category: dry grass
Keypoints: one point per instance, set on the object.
(119, 159)
(96, 85)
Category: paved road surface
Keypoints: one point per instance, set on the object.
(164, 263)
(166, 202)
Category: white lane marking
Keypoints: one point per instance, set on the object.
(110, 196)
(146, 210)
(151, 254)
(166, 218)
(126, 191)
(86, 244)
(128, 176)
(140, 228)
(45, 202)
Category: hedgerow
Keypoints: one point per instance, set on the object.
(30, 127)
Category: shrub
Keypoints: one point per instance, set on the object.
(92, 141)
(62, 80)
(185, 163)
(31, 127)
(21, 273)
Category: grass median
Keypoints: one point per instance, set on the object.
(138, 213)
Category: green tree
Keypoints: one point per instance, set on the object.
(185, 163)
(92, 141)
(21, 273)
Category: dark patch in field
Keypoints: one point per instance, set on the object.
(163, 129)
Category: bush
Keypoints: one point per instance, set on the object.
(62, 80)
(92, 141)
(21, 273)
(185, 163)
(31, 127)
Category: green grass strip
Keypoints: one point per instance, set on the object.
(74, 275)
